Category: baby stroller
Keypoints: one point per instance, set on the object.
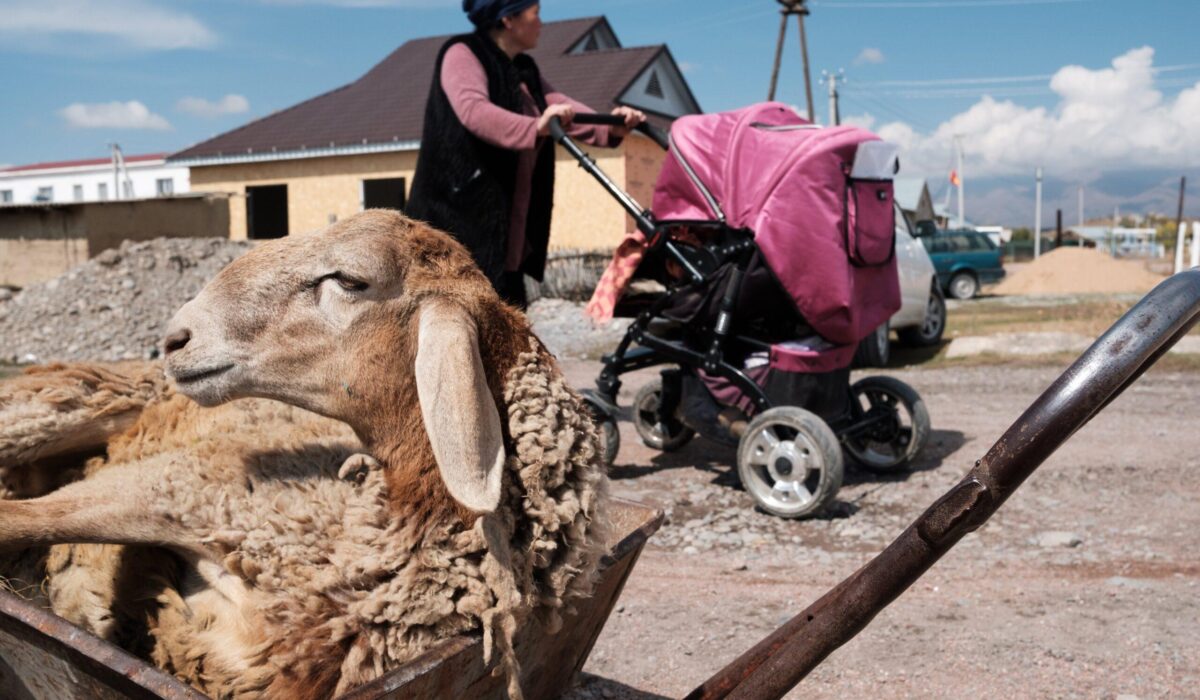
(769, 255)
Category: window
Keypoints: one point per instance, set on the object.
(6, 197)
(128, 188)
(164, 186)
(266, 211)
(102, 191)
(77, 191)
(44, 194)
(654, 87)
(384, 193)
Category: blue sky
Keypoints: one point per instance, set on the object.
(162, 74)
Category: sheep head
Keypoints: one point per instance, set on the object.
(366, 321)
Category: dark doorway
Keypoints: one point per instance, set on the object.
(384, 193)
(266, 211)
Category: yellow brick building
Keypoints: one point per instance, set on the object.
(356, 147)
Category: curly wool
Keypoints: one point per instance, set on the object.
(325, 585)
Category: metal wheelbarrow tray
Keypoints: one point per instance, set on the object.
(43, 656)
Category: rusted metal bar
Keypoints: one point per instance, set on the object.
(51, 658)
(1133, 344)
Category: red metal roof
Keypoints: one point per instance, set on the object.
(387, 104)
(81, 163)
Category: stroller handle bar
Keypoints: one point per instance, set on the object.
(1114, 362)
(642, 217)
(655, 133)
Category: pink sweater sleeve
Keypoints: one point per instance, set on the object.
(465, 84)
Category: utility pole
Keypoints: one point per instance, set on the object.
(835, 114)
(962, 217)
(800, 10)
(1179, 212)
(1058, 231)
(1037, 219)
(119, 170)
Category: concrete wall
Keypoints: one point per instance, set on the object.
(321, 190)
(644, 159)
(40, 242)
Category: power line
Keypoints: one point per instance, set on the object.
(871, 104)
(1017, 91)
(939, 4)
(1003, 78)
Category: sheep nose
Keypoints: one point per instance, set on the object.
(177, 340)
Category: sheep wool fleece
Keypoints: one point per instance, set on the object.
(322, 585)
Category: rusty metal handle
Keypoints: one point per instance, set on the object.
(1130, 347)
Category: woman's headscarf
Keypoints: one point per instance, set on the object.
(486, 13)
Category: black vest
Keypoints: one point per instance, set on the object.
(463, 185)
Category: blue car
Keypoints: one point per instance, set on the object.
(964, 259)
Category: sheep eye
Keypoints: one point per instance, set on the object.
(346, 282)
(349, 283)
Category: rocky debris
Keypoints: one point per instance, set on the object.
(113, 307)
(569, 333)
(116, 306)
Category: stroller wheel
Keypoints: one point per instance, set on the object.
(667, 435)
(789, 461)
(900, 426)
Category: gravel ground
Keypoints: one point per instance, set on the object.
(1084, 585)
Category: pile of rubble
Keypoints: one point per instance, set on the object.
(113, 307)
(116, 306)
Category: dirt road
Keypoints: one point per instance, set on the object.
(1084, 584)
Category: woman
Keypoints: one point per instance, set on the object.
(485, 173)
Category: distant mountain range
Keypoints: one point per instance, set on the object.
(1009, 201)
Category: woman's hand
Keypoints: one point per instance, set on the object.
(632, 116)
(563, 111)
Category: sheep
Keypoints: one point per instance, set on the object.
(308, 555)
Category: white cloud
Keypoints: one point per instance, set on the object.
(866, 121)
(1107, 119)
(113, 115)
(869, 55)
(134, 23)
(688, 67)
(200, 107)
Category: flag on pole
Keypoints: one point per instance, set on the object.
(954, 179)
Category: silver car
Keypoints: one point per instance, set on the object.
(922, 315)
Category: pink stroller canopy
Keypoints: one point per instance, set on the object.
(766, 169)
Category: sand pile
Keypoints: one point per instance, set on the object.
(1079, 271)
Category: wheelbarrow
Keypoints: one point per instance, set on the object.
(42, 656)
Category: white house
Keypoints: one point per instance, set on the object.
(99, 179)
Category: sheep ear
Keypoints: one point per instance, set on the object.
(456, 404)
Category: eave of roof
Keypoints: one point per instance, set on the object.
(370, 115)
(63, 164)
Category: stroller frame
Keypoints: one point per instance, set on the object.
(735, 245)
